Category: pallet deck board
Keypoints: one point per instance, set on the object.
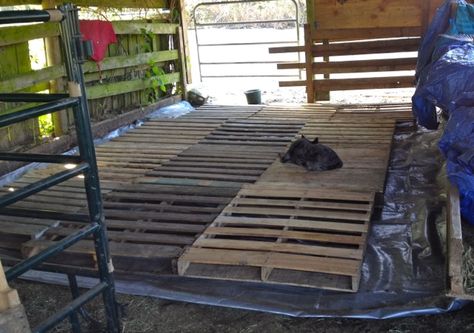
(168, 186)
(244, 238)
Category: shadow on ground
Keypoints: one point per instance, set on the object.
(145, 314)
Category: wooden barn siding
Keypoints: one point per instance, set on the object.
(15, 60)
(360, 27)
(122, 88)
(359, 19)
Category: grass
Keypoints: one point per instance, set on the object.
(468, 269)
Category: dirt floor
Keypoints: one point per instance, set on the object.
(145, 314)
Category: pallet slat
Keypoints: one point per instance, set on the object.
(250, 244)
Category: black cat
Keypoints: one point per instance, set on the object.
(313, 156)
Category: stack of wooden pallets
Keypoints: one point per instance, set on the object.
(206, 194)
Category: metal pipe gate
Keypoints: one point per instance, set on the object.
(199, 45)
(74, 56)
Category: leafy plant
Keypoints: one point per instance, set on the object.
(46, 126)
(158, 81)
(147, 46)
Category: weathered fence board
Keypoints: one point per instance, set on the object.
(140, 69)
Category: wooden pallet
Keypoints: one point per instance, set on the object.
(236, 152)
(297, 112)
(146, 147)
(455, 247)
(398, 111)
(153, 221)
(217, 163)
(254, 132)
(363, 144)
(223, 112)
(298, 236)
(167, 180)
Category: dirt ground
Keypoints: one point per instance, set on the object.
(146, 314)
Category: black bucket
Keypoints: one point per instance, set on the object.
(254, 96)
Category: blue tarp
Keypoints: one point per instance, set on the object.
(445, 79)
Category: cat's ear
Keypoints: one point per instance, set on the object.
(302, 136)
(316, 140)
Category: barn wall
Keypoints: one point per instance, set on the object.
(369, 17)
(144, 67)
(374, 31)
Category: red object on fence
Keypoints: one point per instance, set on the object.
(101, 33)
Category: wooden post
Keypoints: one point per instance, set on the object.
(308, 53)
(425, 16)
(12, 314)
(185, 45)
(455, 243)
(53, 57)
(182, 61)
(8, 297)
(324, 95)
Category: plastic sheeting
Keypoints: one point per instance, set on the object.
(445, 73)
(172, 111)
(403, 271)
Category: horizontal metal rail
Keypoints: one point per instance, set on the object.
(37, 111)
(246, 62)
(41, 185)
(235, 76)
(246, 22)
(252, 43)
(29, 16)
(31, 97)
(72, 54)
(45, 214)
(40, 158)
(42, 256)
(70, 308)
(197, 24)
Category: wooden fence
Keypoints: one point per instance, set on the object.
(380, 36)
(145, 66)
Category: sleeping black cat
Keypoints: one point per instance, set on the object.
(313, 156)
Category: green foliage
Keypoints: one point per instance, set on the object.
(46, 126)
(155, 74)
(158, 81)
(147, 46)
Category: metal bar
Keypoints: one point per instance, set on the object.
(55, 268)
(70, 29)
(218, 3)
(31, 97)
(71, 40)
(28, 16)
(246, 62)
(197, 44)
(197, 24)
(243, 22)
(40, 158)
(73, 286)
(61, 245)
(73, 318)
(230, 76)
(297, 9)
(37, 111)
(252, 43)
(69, 308)
(47, 215)
(43, 184)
